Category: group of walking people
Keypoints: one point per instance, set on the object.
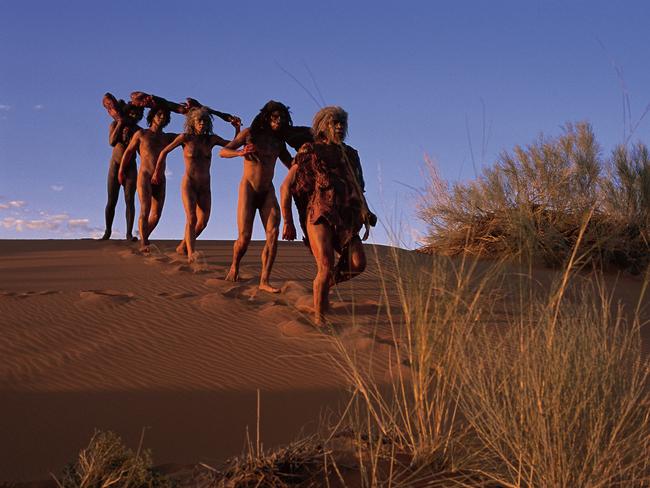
(325, 180)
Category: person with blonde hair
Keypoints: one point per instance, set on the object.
(326, 183)
(197, 140)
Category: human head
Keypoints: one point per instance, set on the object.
(133, 112)
(330, 124)
(151, 115)
(271, 114)
(196, 115)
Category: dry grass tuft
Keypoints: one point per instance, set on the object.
(107, 462)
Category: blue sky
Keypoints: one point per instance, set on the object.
(417, 78)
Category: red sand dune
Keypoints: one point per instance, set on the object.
(97, 336)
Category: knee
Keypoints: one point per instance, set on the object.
(201, 223)
(272, 234)
(325, 270)
(358, 262)
(244, 238)
(191, 219)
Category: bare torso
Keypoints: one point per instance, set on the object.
(151, 144)
(121, 141)
(197, 152)
(260, 168)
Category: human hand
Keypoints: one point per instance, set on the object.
(288, 231)
(155, 178)
(120, 177)
(247, 149)
(235, 122)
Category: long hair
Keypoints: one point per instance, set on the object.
(195, 114)
(261, 122)
(154, 111)
(321, 125)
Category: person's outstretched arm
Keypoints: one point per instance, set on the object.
(230, 150)
(162, 159)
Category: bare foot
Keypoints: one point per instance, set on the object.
(144, 248)
(268, 288)
(233, 275)
(106, 236)
(181, 249)
(131, 238)
(191, 258)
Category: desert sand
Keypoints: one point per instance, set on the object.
(96, 335)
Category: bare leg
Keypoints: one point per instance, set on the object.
(144, 193)
(351, 263)
(203, 205)
(270, 214)
(129, 199)
(189, 203)
(245, 216)
(320, 241)
(113, 188)
(157, 203)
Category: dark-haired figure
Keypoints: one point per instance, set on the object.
(149, 143)
(120, 133)
(326, 182)
(263, 144)
(198, 142)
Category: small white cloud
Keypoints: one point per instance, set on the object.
(17, 203)
(39, 107)
(78, 222)
(4, 206)
(56, 187)
(4, 108)
(168, 173)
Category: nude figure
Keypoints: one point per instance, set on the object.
(326, 182)
(198, 142)
(120, 133)
(149, 143)
(263, 144)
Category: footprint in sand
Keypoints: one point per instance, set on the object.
(304, 304)
(28, 294)
(216, 302)
(294, 290)
(296, 328)
(128, 253)
(276, 311)
(157, 259)
(175, 296)
(105, 297)
(363, 307)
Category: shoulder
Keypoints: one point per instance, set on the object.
(351, 151)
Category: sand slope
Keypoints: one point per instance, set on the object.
(97, 336)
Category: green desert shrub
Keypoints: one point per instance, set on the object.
(534, 200)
